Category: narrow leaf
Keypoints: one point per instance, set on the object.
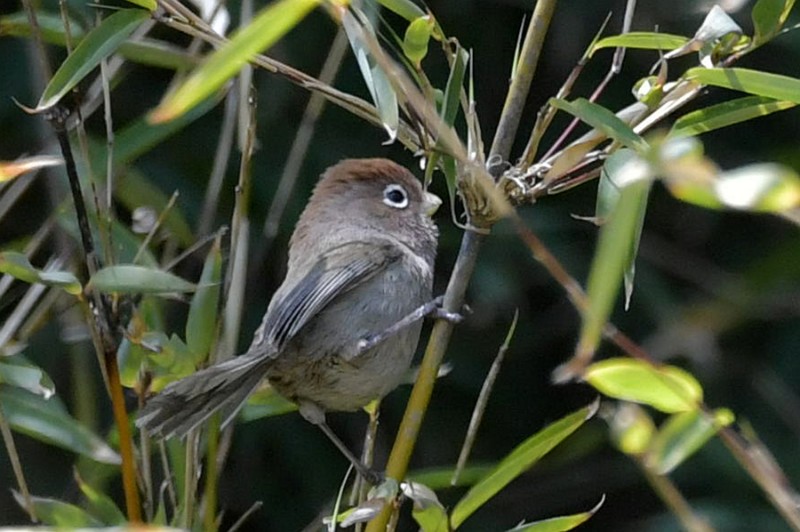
(765, 187)
(201, 324)
(127, 278)
(773, 86)
(613, 260)
(666, 388)
(601, 118)
(60, 514)
(643, 40)
(47, 420)
(518, 461)
(380, 88)
(101, 505)
(428, 512)
(19, 373)
(150, 5)
(101, 42)
(416, 39)
(17, 265)
(682, 435)
(11, 169)
(559, 524)
(267, 27)
(769, 17)
(405, 8)
(726, 114)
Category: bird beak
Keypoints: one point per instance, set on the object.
(430, 203)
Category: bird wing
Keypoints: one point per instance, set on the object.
(335, 273)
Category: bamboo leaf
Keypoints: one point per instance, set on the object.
(47, 420)
(201, 324)
(101, 505)
(641, 39)
(269, 25)
(378, 84)
(12, 169)
(17, 265)
(765, 84)
(682, 435)
(601, 118)
(518, 461)
(60, 514)
(127, 278)
(769, 17)
(416, 39)
(405, 8)
(665, 388)
(559, 524)
(727, 114)
(101, 42)
(614, 257)
(21, 374)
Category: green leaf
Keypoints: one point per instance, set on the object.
(59, 514)
(101, 505)
(17, 265)
(378, 83)
(101, 42)
(601, 118)
(726, 114)
(12, 169)
(769, 17)
(269, 25)
(764, 187)
(665, 388)
(755, 82)
(201, 324)
(632, 429)
(428, 512)
(518, 461)
(682, 435)
(127, 278)
(20, 373)
(405, 8)
(146, 51)
(613, 259)
(47, 420)
(558, 524)
(147, 4)
(416, 39)
(641, 39)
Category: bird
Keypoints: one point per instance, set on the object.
(342, 328)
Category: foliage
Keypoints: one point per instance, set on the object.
(138, 273)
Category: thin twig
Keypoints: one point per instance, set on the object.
(673, 499)
(463, 269)
(16, 465)
(302, 140)
(482, 401)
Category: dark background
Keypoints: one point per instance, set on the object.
(689, 258)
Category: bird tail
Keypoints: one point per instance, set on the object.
(185, 404)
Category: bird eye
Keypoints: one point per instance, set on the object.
(395, 196)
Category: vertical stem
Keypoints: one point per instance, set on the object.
(132, 503)
(101, 324)
(520, 85)
(465, 262)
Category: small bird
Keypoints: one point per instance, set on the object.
(360, 262)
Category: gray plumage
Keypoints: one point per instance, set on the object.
(360, 259)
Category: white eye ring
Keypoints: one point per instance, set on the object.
(395, 196)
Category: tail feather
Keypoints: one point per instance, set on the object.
(185, 404)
